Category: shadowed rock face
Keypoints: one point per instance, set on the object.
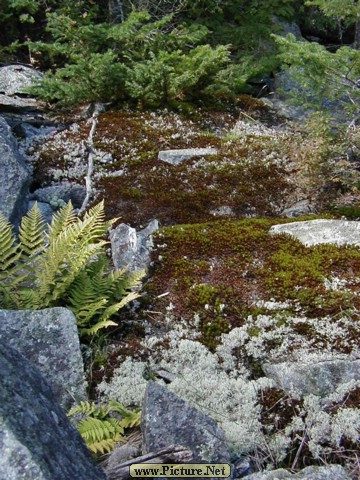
(168, 420)
(15, 177)
(49, 339)
(37, 441)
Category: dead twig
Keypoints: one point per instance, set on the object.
(171, 454)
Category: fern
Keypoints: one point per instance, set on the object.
(99, 429)
(65, 266)
(61, 221)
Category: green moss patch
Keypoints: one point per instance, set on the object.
(227, 271)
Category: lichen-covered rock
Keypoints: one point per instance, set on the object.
(17, 104)
(130, 248)
(330, 472)
(55, 194)
(313, 232)
(168, 420)
(15, 176)
(37, 441)
(175, 157)
(302, 207)
(49, 339)
(17, 79)
(317, 378)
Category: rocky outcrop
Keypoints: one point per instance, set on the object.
(16, 79)
(37, 441)
(175, 157)
(49, 339)
(130, 248)
(313, 232)
(318, 378)
(330, 472)
(168, 420)
(15, 176)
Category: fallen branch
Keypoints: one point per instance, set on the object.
(171, 454)
(89, 149)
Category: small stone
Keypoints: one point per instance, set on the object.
(130, 248)
(175, 157)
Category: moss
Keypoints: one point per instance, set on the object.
(234, 264)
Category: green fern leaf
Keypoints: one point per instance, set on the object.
(114, 308)
(61, 221)
(105, 446)
(84, 408)
(98, 326)
(9, 251)
(31, 233)
(130, 418)
(132, 421)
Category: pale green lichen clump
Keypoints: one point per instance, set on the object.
(220, 385)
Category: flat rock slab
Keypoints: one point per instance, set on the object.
(17, 104)
(314, 232)
(317, 378)
(37, 441)
(17, 79)
(330, 472)
(49, 339)
(175, 157)
(169, 420)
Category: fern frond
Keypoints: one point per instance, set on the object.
(130, 418)
(98, 326)
(9, 252)
(61, 221)
(95, 430)
(124, 281)
(132, 421)
(84, 408)
(115, 307)
(31, 233)
(105, 446)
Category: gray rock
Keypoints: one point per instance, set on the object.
(317, 378)
(17, 79)
(17, 104)
(37, 441)
(130, 248)
(121, 454)
(175, 157)
(15, 177)
(64, 192)
(330, 472)
(302, 207)
(167, 420)
(288, 27)
(224, 211)
(49, 339)
(313, 232)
